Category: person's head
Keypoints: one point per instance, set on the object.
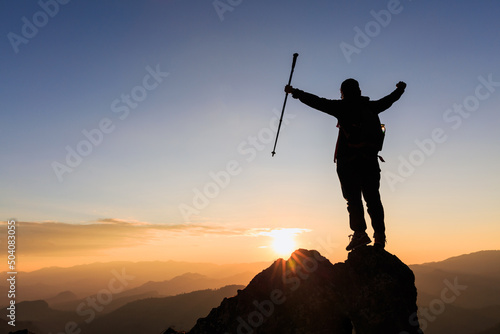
(350, 89)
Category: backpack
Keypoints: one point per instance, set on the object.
(364, 133)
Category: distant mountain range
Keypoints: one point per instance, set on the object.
(85, 280)
(153, 315)
(148, 315)
(460, 295)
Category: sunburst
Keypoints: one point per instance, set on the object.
(283, 241)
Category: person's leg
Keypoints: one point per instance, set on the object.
(370, 188)
(351, 190)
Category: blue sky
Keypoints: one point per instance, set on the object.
(219, 83)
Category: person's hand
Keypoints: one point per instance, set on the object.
(401, 85)
(288, 89)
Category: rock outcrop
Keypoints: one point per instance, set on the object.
(372, 292)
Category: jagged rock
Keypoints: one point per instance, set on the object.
(378, 292)
(372, 291)
(294, 296)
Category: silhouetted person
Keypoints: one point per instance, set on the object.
(359, 141)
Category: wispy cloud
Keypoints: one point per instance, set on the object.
(62, 239)
(289, 231)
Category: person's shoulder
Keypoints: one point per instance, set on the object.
(359, 99)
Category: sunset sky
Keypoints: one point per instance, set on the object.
(143, 130)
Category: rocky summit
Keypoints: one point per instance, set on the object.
(372, 292)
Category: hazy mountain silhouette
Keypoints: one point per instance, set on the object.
(61, 298)
(87, 279)
(476, 304)
(117, 301)
(481, 290)
(34, 310)
(373, 291)
(38, 317)
(153, 315)
(185, 283)
(140, 316)
(188, 282)
(485, 262)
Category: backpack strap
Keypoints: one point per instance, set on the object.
(336, 145)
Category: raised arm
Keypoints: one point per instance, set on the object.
(387, 101)
(325, 105)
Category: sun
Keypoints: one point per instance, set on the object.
(283, 242)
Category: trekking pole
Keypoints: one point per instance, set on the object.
(295, 55)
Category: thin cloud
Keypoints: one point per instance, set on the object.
(62, 239)
(270, 232)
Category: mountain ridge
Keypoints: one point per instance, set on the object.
(372, 291)
(433, 276)
(479, 262)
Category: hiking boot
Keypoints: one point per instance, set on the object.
(358, 239)
(380, 241)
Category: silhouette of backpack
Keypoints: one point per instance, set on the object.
(364, 133)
